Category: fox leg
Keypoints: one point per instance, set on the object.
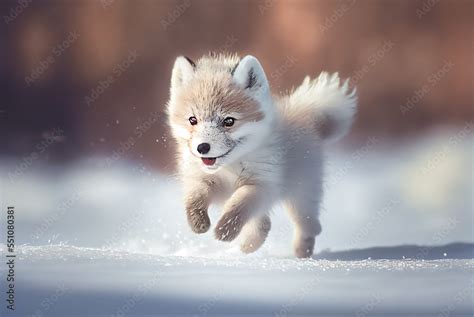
(197, 198)
(307, 226)
(255, 232)
(238, 209)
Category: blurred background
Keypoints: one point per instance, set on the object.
(89, 79)
(97, 68)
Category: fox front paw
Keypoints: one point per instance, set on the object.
(229, 226)
(198, 220)
(255, 232)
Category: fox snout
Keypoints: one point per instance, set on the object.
(203, 148)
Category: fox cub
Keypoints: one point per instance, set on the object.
(247, 149)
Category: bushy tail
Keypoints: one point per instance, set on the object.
(328, 104)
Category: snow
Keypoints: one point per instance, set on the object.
(104, 238)
(112, 283)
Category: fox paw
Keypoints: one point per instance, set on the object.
(304, 247)
(251, 246)
(255, 234)
(229, 226)
(198, 220)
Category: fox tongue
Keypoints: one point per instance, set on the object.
(208, 160)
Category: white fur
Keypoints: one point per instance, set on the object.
(260, 92)
(328, 100)
(180, 132)
(182, 74)
(261, 89)
(277, 159)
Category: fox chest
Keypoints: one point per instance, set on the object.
(239, 174)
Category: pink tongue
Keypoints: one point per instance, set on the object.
(208, 161)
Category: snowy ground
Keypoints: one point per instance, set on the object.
(101, 239)
(86, 281)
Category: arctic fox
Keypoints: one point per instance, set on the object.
(242, 146)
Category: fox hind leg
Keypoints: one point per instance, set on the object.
(255, 232)
(305, 217)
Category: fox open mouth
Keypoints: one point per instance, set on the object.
(210, 161)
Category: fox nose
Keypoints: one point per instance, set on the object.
(203, 148)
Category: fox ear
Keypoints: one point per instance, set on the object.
(249, 74)
(183, 70)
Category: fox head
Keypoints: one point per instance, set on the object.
(220, 108)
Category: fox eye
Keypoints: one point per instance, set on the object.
(229, 121)
(193, 120)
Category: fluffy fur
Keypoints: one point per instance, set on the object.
(263, 149)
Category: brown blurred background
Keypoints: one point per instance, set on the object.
(98, 69)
